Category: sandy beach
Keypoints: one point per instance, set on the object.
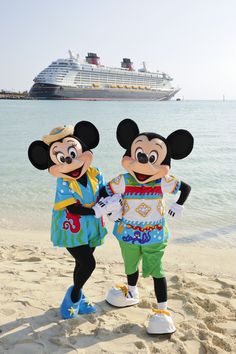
(34, 277)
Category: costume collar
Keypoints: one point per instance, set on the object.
(92, 173)
(132, 180)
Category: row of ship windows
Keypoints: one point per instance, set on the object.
(147, 83)
(115, 79)
(117, 74)
(102, 77)
(56, 67)
(54, 71)
(106, 79)
(60, 81)
(129, 73)
(84, 81)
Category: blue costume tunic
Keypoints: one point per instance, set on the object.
(69, 230)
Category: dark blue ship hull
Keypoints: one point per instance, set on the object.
(53, 92)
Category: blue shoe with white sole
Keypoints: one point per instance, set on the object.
(69, 309)
(85, 306)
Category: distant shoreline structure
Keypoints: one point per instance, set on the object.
(12, 95)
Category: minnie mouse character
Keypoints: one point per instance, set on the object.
(77, 222)
(141, 228)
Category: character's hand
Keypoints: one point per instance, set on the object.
(100, 208)
(108, 205)
(114, 208)
(114, 203)
(175, 210)
(115, 215)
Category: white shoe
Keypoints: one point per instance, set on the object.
(120, 296)
(161, 323)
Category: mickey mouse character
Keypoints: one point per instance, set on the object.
(77, 222)
(141, 229)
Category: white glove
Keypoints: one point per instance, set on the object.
(115, 215)
(176, 210)
(100, 208)
(108, 205)
(113, 203)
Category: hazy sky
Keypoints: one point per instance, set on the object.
(192, 40)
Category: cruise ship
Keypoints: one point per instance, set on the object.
(87, 79)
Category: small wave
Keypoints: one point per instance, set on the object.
(208, 234)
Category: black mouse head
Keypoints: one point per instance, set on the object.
(148, 155)
(65, 151)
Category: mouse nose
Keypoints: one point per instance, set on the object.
(68, 159)
(142, 158)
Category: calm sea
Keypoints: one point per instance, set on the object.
(27, 194)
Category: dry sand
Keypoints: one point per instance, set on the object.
(34, 277)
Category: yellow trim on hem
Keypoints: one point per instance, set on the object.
(64, 203)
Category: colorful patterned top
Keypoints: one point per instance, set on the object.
(143, 219)
(69, 230)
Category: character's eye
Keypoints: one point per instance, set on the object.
(72, 152)
(138, 152)
(153, 157)
(60, 157)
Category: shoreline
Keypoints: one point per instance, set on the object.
(193, 256)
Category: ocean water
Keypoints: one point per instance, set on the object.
(27, 194)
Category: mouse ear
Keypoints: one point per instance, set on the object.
(126, 132)
(87, 133)
(181, 143)
(38, 154)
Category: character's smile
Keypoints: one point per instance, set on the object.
(75, 173)
(141, 177)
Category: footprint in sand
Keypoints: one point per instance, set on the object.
(229, 293)
(7, 312)
(206, 304)
(145, 304)
(31, 259)
(221, 343)
(141, 345)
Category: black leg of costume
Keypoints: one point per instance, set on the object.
(160, 287)
(132, 278)
(84, 266)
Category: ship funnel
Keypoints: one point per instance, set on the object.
(126, 63)
(92, 58)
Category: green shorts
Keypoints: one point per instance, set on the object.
(151, 256)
